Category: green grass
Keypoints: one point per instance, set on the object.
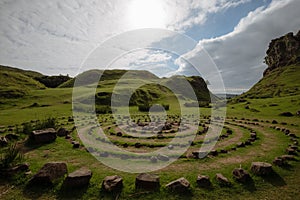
(57, 103)
(283, 81)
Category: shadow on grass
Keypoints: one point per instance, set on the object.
(274, 179)
(287, 167)
(110, 195)
(35, 192)
(249, 185)
(73, 193)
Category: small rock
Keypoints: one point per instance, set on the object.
(279, 161)
(286, 114)
(288, 157)
(292, 135)
(12, 136)
(76, 145)
(261, 168)
(78, 178)
(253, 135)
(222, 179)
(223, 151)
(62, 132)
(291, 151)
(3, 141)
(137, 145)
(48, 173)
(214, 153)
(147, 182)
(15, 170)
(203, 181)
(153, 159)
(240, 144)
(179, 185)
(294, 147)
(112, 183)
(163, 157)
(241, 175)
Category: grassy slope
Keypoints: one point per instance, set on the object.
(281, 82)
(58, 104)
(14, 84)
(263, 188)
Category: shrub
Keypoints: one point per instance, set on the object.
(11, 157)
(27, 128)
(47, 123)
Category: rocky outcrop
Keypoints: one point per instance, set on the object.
(283, 51)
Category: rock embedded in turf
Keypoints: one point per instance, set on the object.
(153, 159)
(253, 135)
(12, 136)
(78, 178)
(112, 183)
(49, 173)
(15, 170)
(76, 145)
(240, 144)
(291, 151)
(3, 141)
(147, 182)
(223, 151)
(261, 168)
(288, 157)
(222, 179)
(279, 161)
(214, 153)
(203, 181)
(43, 136)
(180, 185)
(163, 157)
(241, 175)
(62, 132)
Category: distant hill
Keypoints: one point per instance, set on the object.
(281, 78)
(15, 83)
(89, 76)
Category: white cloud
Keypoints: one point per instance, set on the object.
(55, 36)
(239, 55)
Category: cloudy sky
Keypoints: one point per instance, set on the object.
(58, 36)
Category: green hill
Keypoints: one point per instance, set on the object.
(281, 78)
(15, 84)
(89, 76)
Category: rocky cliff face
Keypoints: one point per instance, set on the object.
(283, 51)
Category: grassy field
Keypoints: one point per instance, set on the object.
(57, 103)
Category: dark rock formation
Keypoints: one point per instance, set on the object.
(283, 51)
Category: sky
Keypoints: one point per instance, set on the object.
(60, 37)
